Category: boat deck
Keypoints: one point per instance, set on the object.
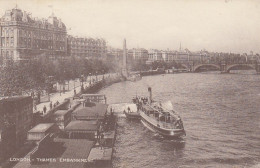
(155, 122)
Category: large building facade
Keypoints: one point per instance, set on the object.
(25, 38)
(155, 55)
(140, 54)
(87, 48)
(181, 56)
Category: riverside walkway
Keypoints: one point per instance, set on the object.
(59, 97)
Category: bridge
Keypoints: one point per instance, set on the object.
(223, 67)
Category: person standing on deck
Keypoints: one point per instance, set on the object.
(44, 109)
(102, 141)
(50, 105)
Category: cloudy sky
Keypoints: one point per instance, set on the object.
(214, 25)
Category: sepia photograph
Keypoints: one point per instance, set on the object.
(129, 83)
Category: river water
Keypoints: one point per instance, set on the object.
(221, 116)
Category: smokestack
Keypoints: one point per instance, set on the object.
(150, 91)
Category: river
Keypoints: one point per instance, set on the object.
(221, 116)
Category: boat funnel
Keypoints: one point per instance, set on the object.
(150, 91)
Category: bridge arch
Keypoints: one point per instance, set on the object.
(185, 66)
(234, 66)
(197, 67)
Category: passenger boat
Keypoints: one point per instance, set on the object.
(160, 117)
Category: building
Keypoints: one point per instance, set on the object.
(17, 111)
(25, 38)
(62, 118)
(90, 111)
(140, 54)
(114, 54)
(79, 129)
(7, 141)
(168, 56)
(58, 153)
(155, 55)
(88, 48)
(38, 132)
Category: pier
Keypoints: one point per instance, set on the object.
(79, 123)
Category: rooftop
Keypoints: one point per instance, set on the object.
(61, 112)
(60, 150)
(16, 14)
(79, 125)
(92, 109)
(14, 98)
(41, 127)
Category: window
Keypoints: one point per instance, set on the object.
(11, 32)
(3, 42)
(7, 41)
(11, 41)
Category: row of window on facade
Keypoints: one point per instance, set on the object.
(6, 42)
(7, 54)
(34, 34)
(9, 42)
(85, 55)
(88, 47)
(87, 51)
(86, 43)
(7, 32)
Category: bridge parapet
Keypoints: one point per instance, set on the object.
(223, 66)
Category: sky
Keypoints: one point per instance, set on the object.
(213, 25)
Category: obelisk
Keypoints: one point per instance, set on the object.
(124, 68)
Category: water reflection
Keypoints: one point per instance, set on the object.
(220, 113)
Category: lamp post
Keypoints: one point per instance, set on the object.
(74, 84)
(82, 87)
(82, 80)
(89, 78)
(96, 76)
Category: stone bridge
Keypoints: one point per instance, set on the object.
(224, 68)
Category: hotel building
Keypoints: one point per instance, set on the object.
(25, 38)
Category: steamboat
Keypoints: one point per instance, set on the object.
(159, 117)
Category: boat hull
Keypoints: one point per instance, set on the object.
(133, 116)
(168, 133)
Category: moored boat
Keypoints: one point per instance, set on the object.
(132, 115)
(160, 117)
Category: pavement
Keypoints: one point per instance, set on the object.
(54, 97)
